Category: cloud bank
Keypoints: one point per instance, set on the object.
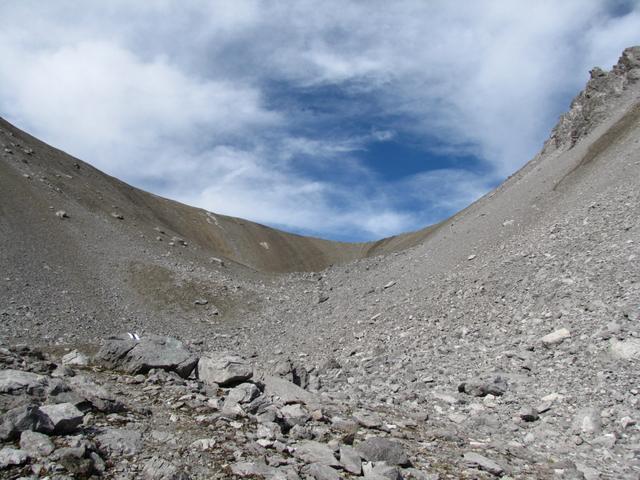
(272, 111)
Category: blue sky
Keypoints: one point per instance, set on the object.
(348, 120)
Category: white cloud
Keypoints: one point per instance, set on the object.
(175, 98)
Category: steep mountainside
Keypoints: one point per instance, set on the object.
(502, 342)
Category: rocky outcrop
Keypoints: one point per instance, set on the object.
(593, 104)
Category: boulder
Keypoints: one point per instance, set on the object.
(224, 369)
(142, 354)
(10, 457)
(37, 445)
(17, 381)
(378, 449)
(93, 396)
(64, 417)
(22, 419)
(350, 460)
(311, 451)
(295, 414)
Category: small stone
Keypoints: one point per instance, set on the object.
(474, 460)
(626, 422)
(204, 444)
(201, 301)
(529, 414)
(471, 257)
(117, 215)
(555, 338)
(389, 285)
(62, 214)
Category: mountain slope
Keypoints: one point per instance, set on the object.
(507, 334)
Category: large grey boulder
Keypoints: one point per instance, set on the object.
(17, 381)
(37, 445)
(22, 419)
(139, 355)
(224, 369)
(10, 457)
(91, 396)
(64, 417)
(378, 449)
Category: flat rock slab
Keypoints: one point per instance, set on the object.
(120, 442)
(157, 468)
(141, 355)
(318, 471)
(65, 417)
(224, 369)
(350, 460)
(311, 451)
(475, 460)
(257, 470)
(380, 449)
(17, 381)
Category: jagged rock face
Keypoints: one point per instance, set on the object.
(592, 105)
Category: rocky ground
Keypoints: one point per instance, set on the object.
(504, 344)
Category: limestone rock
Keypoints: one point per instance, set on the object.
(120, 442)
(141, 355)
(64, 416)
(378, 449)
(311, 451)
(475, 460)
(224, 369)
(36, 444)
(555, 338)
(11, 457)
